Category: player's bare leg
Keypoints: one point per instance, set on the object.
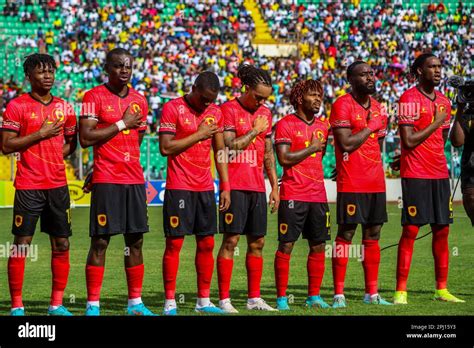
(340, 258)
(95, 272)
(371, 262)
(254, 265)
(282, 271)
(225, 264)
(60, 270)
(315, 266)
(16, 271)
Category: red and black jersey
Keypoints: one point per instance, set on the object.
(361, 170)
(40, 166)
(116, 161)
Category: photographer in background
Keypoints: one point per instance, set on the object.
(462, 133)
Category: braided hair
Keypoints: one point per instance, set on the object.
(301, 88)
(419, 61)
(38, 59)
(252, 76)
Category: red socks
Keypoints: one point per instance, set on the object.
(371, 264)
(135, 280)
(254, 266)
(441, 255)
(339, 264)
(170, 265)
(60, 272)
(224, 274)
(405, 252)
(315, 266)
(16, 271)
(94, 278)
(282, 271)
(204, 262)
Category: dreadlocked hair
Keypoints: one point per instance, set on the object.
(301, 88)
(252, 76)
(419, 61)
(38, 59)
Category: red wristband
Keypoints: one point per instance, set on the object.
(224, 186)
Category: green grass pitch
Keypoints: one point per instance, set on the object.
(37, 284)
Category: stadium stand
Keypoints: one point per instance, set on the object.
(174, 40)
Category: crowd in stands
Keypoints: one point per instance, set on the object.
(171, 48)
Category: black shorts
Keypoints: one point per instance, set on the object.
(53, 205)
(118, 208)
(189, 212)
(361, 208)
(307, 218)
(247, 214)
(426, 201)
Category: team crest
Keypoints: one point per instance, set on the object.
(442, 108)
(320, 136)
(18, 220)
(229, 218)
(186, 121)
(174, 221)
(412, 211)
(136, 107)
(241, 121)
(298, 134)
(358, 118)
(33, 115)
(102, 219)
(59, 114)
(210, 120)
(283, 228)
(351, 209)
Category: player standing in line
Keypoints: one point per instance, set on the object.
(424, 125)
(359, 125)
(247, 134)
(300, 140)
(42, 129)
(113, 121)
(190, 127)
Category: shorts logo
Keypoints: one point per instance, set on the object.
(229, 218)
(351, 209)
(412, 210)
(18, 220)
(102, 219)
(174, 221)
(283, 228)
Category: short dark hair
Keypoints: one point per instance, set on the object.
(419, 61)
(117, 52)
(207, 80)
(303, 87)
(38, 59)
(350, 68)
(252, 76)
